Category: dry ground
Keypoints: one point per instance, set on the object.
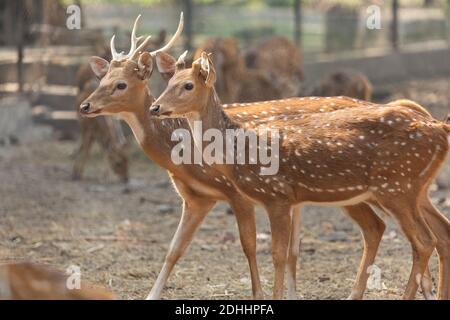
(119, 236)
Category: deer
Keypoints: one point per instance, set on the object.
(106, 130)
(199, 186)
(30, 281)
(381, 155)
(344, 83)
(237, 82)
(279, 58)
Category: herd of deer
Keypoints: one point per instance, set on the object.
(336, 151)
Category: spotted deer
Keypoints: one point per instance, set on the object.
(360, 154)
(107, 131)
(280, 59)
(123, 92)
(236, 82)
(344, 83)
(102, 103)
(30, 281)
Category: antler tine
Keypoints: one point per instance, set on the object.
(174, 38)
(114, 54)
(134, 39)
(139, 49)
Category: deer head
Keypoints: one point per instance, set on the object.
(123, 81)
(188, 89)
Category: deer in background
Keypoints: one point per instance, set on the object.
(29, 281)
(282, 61)
(201, 186)
(385, 156)
(107, 131)
(263, 79)
(344, 83)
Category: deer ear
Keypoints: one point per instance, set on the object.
(99, 66)
(166, 65)
(145, 65)
(204, 68)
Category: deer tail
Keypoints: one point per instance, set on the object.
(410, 104)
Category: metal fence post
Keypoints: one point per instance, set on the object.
(394, 25)
(19, 12)
(298, 22)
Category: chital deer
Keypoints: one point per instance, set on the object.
(384, 156)
(207, 182)
(29, 281)
(280, 59)
(106, 130)
(344, 83)
(230, 66)
(123, 92)
(199, 186)
(262, 81)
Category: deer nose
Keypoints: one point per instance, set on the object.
(154, 109)
(84, 107)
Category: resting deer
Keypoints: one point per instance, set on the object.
(384, 156)
(29, 281)
(344, 83)
(200, 187)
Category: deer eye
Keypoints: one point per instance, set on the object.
(189, 86)
(121, 86)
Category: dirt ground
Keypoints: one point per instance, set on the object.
(119, 235)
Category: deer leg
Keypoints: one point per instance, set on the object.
(440, 226)
(280, 224)
(87, 138)
(294, 248)
(372, 229)
(423, 241)
(194, 211)
(245, 217)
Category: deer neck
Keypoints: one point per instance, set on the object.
(212, 117)
(149, 133)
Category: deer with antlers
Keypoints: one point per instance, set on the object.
(361, 153)
(123, 92)
(201, 186)
(106, 130)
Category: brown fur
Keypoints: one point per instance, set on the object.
(344, 83)
(384, 154)
(272, 75)
(28, 281)
(107, 132)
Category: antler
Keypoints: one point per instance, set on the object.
(174, 37)
(134, 41)
(134, 52)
